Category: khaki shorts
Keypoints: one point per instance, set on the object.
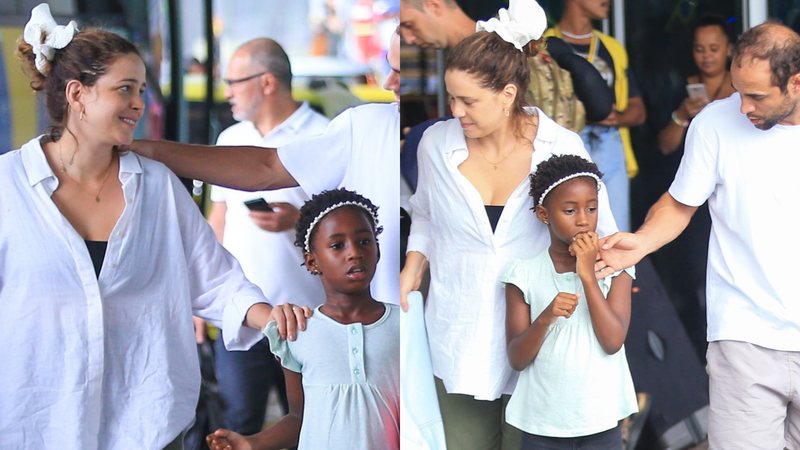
(755, 397)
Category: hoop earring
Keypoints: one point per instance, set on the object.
(80, 116)
(507, 112)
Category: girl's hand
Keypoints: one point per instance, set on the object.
(223, 439)
(562, 306)
(585, 248)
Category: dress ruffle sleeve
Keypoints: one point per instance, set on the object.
(280, 348)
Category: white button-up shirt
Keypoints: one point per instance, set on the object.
(108, 362)
(466, 308)
(270, 259)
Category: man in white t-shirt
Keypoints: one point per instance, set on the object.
(359, 151)
(259, 89)
(742, 156)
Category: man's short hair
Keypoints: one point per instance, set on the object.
(771, 42)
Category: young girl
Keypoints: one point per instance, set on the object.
(343, 370)
(565, 329)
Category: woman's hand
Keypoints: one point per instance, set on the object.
(290, 318)
(411, 276)
(408, 282)
(690, 107)
(223, 439)
(585, 249)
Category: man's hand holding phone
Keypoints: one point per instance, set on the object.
(273, 217)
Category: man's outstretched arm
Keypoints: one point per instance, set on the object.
(237, 167)
(666, 220)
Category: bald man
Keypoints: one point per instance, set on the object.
(742, 156)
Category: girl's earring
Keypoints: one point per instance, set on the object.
(81, 115)
(508, 113)
(546, 222)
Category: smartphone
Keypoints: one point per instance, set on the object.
(258, 204)
(696, 90)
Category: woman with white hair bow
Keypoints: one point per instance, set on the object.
(104, 258)
(471, 215)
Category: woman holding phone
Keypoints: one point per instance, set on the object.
(711, 49)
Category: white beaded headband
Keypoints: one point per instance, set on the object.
(567, 178)
(307, 246)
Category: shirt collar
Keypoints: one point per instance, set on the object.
(291, 124)
(35, 163)
(37, 168)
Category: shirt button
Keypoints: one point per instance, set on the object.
(357, 372)
(353, 330)
(355, 350)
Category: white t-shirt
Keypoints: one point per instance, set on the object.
(110, 362)
(270, 259)
(466, 308)
(749, 178)
(360, 151)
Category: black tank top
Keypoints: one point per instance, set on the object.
(493, 212)
(97, 251)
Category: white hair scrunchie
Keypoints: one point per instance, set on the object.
(522, 22)
(45, 36)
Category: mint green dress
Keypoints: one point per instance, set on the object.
(573, 387)
(351, 381)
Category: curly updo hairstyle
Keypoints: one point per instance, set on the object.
(86, 58)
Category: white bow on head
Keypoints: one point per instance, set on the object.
(42, 33)
(522, 22)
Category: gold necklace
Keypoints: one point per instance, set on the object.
(105, 178)
(495, 163)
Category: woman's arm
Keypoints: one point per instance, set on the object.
(672, 135)
(610, 317)
(524, 339)
(411, 276)
(284, 434)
